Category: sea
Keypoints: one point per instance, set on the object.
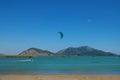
(96, 65)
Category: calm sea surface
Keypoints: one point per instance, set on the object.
(61, 65)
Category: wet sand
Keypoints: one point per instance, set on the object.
(59, 77)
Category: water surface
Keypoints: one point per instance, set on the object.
(109, 65)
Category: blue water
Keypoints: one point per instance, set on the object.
(61, 65)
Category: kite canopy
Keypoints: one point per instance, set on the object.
(61, 35)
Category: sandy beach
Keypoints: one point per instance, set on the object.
(59, 77)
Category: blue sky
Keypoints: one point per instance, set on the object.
(36, 23)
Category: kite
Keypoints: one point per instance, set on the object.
(61, 35)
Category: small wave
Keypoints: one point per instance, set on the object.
(25, 60)
(15, 61)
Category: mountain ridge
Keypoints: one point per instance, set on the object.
(70, 51)
(84, 50)
(36, 52)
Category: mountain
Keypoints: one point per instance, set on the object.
(36, 52)
(1, 54)
(70, 51)
(84, 51)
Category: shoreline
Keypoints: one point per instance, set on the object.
(59, 77)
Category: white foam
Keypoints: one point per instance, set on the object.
(26, 60)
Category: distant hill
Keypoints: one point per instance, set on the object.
(36, 52)
(70, 51)
(84, 51)
(2, 54)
